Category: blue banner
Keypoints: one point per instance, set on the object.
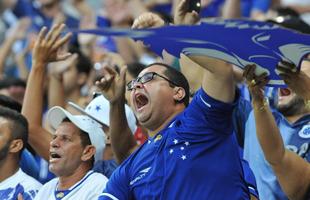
(240, 42)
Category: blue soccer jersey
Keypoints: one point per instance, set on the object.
(296, 137)
(194, 157)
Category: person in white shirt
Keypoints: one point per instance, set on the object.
(13, 137)
(77, 143)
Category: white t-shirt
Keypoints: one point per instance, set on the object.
(88, 188)
(19, 183)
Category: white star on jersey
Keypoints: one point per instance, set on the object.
(183, 157)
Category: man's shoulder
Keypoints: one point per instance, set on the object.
(98, 178)
(29, 182)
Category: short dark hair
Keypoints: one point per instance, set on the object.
(178, 78)
(18, 124)
(8, 102)
(83, 64)
(12, 81)
(135, 68)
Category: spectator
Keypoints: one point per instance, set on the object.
(14, 88)
(27, 161)
(176, 145)
(77, 144)
(14, 134)
(292, 172)
(291, 117)
(183, 140)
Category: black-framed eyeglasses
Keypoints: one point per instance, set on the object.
(147, 77)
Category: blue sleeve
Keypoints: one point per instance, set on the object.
(117, 186)
(205, 119)
(29, 165)
(249, 178)
(22, 8)
(261, 5)
(240, 115)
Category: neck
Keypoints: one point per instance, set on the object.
(152, 132)
(67, 181)
(8, 167)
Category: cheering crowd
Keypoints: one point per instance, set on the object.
(100, 117)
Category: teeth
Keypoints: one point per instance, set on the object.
(54, 155)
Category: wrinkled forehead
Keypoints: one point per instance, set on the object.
(67, 128)
(154, 68)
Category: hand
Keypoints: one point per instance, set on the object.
(47, 46)
(296, 80)
(182, 16)
(58, 68)
(148, 20)
(19, 31)
(112, 85)
(20, 197)
(255, 83)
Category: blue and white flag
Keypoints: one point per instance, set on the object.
(240, 42)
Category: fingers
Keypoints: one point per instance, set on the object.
(61, 41)
(287, 64)
(65, 56)
(253, 81)
(56, 34)
(41, 34)
(20, 196)
(50, 33)
(108, 77)
(248, 72)
(182, 7)
(123, 73)
(147, 20)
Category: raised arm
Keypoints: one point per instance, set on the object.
(293, 173)
(218, 75)
(112, 86)
(45, 51)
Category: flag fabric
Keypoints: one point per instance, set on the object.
(237, 41)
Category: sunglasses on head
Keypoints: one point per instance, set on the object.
(147, 77)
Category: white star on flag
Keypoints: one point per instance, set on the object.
(186, 143)
(183, 157)
(182, 148)
(175, 141)
(171, 151)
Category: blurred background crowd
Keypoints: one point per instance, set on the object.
(73, 79)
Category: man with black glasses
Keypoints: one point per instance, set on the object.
(191, 153)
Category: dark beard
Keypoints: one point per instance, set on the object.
(4, 152)
(294, 107)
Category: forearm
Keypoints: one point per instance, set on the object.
(218, 80)
(39, 140)
(5, 50)
(56, 92)
(268, 133)
(231, 9)
(122, 139)
(33, 100)
(32, 108)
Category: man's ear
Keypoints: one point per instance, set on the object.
(179, 94)
(88, 152)
(16, 145)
